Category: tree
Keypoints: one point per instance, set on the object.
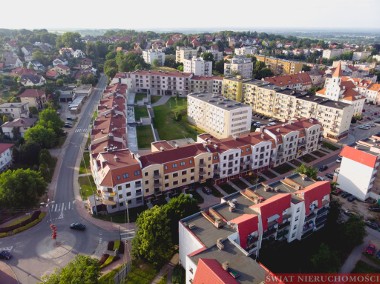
(180, 68)
(45, 137)
(325, 259)
(309, 171)
(219, 66)
(306, 68)
(70, 39)
(207, 56)
(353, 233)
(178, 208)
(83, 269)
(21, 188)
(152, 241)
(28, 153)
(49, 118)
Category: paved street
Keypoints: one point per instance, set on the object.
(35, 253)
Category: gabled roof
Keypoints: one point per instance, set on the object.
(211, 271)
(359, 156)
(20, 122)
(32, 93)
(300, 78)
(338, 71)
(4, 147)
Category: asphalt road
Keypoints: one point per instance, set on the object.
(34, 252)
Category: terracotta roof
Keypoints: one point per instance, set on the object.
(359, 156)
(338, 71)
(211, 271)
(299, 78)
(172, 155)
(4, 147)
(32, 93)
(374, 87)
(22, 71)
(64, 67)
(20, 122)
(315, 191)
(51, 73)
(206, 78)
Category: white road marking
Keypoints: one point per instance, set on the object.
(63, 207)
(7, 248)
(69, 205)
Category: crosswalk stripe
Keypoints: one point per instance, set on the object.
(63, 207)
(69, 205)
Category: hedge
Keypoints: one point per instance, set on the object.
(23, 228)
(109, 260)
(103, 258)
(35, 215)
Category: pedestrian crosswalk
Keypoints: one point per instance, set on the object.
(81, 130)
(64, 206)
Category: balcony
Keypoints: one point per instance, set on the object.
(268, 233)
(202, 164)
(282, 234)
(320, 220)
(322, 211)
(283, 225)
(310, 216)
(308, 226)
(156, 175)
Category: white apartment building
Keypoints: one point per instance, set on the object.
(246, 50)
(360, 55)
(358, 169)
(182, 53)
(5, 156)
(217, 55)
(241, 65)
(286, 104)
(197, 66)
(218, 116)
(151, 55)
(332, 53)
(290, 209)
(15, 110)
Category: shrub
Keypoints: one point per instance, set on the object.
(110, 245)
(103, 258)
(25, 227)
(35, 215)
(108, 261)
(116, 245)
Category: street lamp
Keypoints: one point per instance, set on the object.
(47, 205)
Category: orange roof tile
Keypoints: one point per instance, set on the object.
(359, 156)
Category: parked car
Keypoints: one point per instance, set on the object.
(206, 190)
(330, 176)
(374, 209)
(78, 226)
(370, 249)
(67, 125)
(336, 191)
(372, 224)
(323, 168)
(320, 178)
(4, 254)
(345, 194)
(351, 198)
(338, 160)
(271, 123)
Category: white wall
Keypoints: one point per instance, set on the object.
(188, 243)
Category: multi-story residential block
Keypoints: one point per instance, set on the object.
(217, 115)
(219, 244)
(358, 172)
(334, 53)
(372, 94)
(300, 81)
(171, 83)
(34, 97)
(6, 158)
(337, 88)
(182, 53)
(19, 125)
(245, 50)
(241, 65)
(15, 110)
(286, 104)
(197, 66)
(360, 55)
(217, 55)
(280, 66)
(151, 55)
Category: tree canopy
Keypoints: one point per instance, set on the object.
(45, 137)
(83, 269)
(306, 170)
(21, 188)
(70, 39)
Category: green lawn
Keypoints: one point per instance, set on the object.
(140, 112)
(154, 99)
(121, 217)
(87, 186)
(362, 267)
(85, 164)
(282, 169)
(141, 273)
(144, 136)
(168, 128)
(240, 184)
(329, 146)
(227, 188)
(253, 179)
(307, 158)
(139, 97)
(109, 277)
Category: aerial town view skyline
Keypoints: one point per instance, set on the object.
(166, 142)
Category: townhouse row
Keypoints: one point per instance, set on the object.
(220, 244)
(124, 178)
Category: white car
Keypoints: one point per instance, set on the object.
(338, 160)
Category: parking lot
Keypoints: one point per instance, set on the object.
(261, 120)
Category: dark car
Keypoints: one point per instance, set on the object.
(78, 226)
(330, 176)
(67, 125)
(323, 168)
(4, 254)
(372, 224)
(374, 209)
(206, 190)
(337, 191)
(351, 198)
(345, 194)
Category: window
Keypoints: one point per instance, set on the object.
(118, 177)
(191, 161)
(137, 173)
(298, 209)
(296, 219)
(146, 174)
(175, 182)
(175, 175)
(129, 193)
(166, 184)
(295, 227)
(166, 176)
(166, 167)
(120, 196)
(175, 165)
(121, 204)
(119, 187)
(183, 163)
(293, 235)
(147, 182)
(113, 206)
(128, 185)
(147, 190)
(125, 175)
(183, 180)
(192, 170)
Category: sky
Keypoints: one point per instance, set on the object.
(177, 14)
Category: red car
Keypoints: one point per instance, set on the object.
(371, 249)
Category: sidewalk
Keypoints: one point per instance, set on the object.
(7, 276)
(167, 269)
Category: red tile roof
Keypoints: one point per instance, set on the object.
(281, 81)
(338, 71)
(247, 224)
(32, 93)
(22, 71)
(210, 271)
(164, 74)
(272, 206)
(315, 191)
(4, 147)
(374, 87)
(359, 156)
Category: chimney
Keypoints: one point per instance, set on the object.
(116, 158)
(225, 265)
